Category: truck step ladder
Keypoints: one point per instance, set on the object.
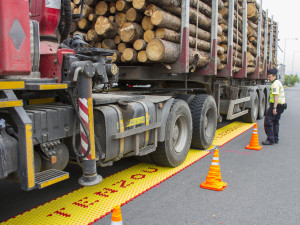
(7, 103)
(29, 179)
(147, 150)
(49, 177)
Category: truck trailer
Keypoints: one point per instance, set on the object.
(64, 98)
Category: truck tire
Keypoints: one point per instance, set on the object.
(262, 106)
(204, 114)
(173, 151)
(251, 116)
(186, 98)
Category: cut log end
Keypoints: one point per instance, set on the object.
(142, 57)
(157, 17)
(139, 45)
(130, 55)
(155, 50)
(149, 35)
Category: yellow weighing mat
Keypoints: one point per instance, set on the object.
(89, 204)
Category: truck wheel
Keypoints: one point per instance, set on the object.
(251, 116)
(173, 151)
(262, 107)
(204, 114)
(186, 98)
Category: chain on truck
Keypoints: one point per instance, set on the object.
(58, 103)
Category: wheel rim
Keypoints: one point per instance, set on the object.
(180, 134)
(209, 122)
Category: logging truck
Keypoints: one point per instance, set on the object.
(93, 81)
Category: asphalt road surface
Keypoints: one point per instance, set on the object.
(262, 186)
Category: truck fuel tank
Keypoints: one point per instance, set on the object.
(113, 119)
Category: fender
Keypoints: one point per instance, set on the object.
(252, 91)
(163, 119)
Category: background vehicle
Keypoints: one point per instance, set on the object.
(57, 102)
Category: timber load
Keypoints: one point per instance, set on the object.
(150, 32)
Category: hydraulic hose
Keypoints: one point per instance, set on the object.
(66, 20)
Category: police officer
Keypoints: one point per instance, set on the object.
(277, 104)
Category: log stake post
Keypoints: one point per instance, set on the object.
(276, 41)
(256, 72)
(243, 72)
(182, 64)
(211, 68)
(227, 71)
(271, 44)
(264, 75)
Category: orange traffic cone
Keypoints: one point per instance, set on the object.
(116, 218)
(213, 178)
(254, 143)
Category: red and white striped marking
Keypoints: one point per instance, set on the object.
(84, 114)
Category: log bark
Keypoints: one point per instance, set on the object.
(149, 35)
(139, 45)
(168, 35)
(162, 51)
(130, 31)
(147, 24)
(105, 28)
(109, 44)
(200, 58)
(133, 15)
(202, 34)
(203, 45)
(130, 55)
(166, 20)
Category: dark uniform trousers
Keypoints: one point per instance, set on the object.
(271, 123)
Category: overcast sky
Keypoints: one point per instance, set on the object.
(286, 13)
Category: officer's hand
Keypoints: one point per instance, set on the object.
(274, 112)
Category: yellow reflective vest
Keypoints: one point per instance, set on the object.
(277, 89)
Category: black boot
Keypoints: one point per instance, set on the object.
(267, 142)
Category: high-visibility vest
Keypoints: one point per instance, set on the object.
(277, 89)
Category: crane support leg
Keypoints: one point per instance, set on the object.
(85, 102)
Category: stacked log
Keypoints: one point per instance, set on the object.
(148, 31)
(237, 34)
